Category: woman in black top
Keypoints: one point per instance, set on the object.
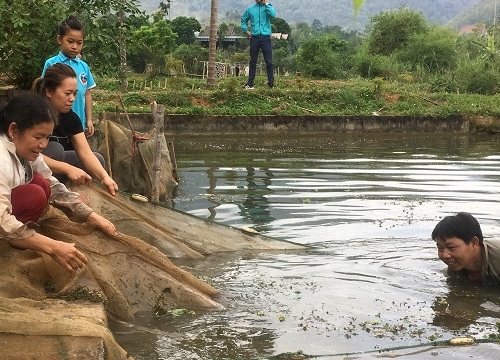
(68, 154)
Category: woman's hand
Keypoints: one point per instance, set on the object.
(78, 176)
(110, 183)
(65, 254)
(104, 224)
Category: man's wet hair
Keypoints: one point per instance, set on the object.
(462, 225)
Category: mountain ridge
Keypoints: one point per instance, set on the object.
(341, 13)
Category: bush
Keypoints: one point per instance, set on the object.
(390, 30)
(371, 66)
(324, 57)
(478, 77)
(434, 51)
(135, 99)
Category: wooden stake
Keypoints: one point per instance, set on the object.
(158, 116)
(133, 134)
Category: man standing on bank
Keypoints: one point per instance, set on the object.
(259, 15)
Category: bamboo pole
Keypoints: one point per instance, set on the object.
(173, 161)
(108, 155)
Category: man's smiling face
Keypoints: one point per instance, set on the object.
(458, 255)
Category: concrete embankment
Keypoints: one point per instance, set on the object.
(310, 123)
(175, 123)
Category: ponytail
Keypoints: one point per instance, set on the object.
(38, 87)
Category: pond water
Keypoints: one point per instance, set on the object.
(370, 279)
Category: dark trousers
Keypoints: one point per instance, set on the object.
(55, 150)
(261, 43)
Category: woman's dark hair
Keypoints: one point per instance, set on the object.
(462, 225)
(53, 78)
(70, 23)
(27, 110)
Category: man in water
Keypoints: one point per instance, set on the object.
(461, 246)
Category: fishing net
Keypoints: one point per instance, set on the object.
(129, 160)
(126, 274)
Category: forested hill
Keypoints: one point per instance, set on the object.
(483, 12)
(328, 12)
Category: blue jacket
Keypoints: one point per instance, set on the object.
(260, 16)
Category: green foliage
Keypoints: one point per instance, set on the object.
(390, 31)
(296, 95)
(109, 83)
(232, 86)
(156, 40)
(280, 59)
(185, 27)
(107, 25)
(478, 76)
(27, 38)
(435, 51)
(173, 66)
(280, 25)
(323, 57)
(169, 99)
(371, 66)
(474, 45)
(135, 98)
(192, 56)
(446, 83)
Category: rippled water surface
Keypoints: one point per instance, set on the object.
(365, 205)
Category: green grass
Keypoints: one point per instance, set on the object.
(291, 96)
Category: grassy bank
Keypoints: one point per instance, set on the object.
(292, 95)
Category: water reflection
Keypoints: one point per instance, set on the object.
(366, 204)
(465, 304)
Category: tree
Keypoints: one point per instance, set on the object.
(434, 51)
(165, 8)
(390, 30)
(192, 56)
(323, 57)
(280, 25)
(221, 33)
(28, 38)
(300, 33)
(107, 23)
(185, 27)
(157, 39)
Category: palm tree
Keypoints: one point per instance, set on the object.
(212, 43)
